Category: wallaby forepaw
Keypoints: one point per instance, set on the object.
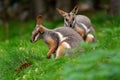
(48, 57)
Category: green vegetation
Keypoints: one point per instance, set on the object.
(100, 61)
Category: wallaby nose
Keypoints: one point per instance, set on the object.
(31, 40)
(70, 25)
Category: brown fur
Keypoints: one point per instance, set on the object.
(61, 49)
(61, 11)
(80, 31)
(52, 46)
(39, 20)
(89, 39)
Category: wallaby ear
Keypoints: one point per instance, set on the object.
(61, 11)
(39, 19)
(75, 9)
(41, 29)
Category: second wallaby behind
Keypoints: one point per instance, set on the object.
(79, 23)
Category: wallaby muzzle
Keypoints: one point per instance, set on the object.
(34, 37)
(70, 25)
(31, 40)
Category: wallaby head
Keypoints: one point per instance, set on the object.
(38, 31)
(69, 18)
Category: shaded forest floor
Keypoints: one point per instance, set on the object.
(100, 61)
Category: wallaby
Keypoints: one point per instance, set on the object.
(79, 23)
(58, 40)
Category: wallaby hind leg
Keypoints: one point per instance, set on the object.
(90, 38)
(62, 47)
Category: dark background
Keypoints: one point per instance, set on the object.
(28, 9)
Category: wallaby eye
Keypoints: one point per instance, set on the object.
(66, 19)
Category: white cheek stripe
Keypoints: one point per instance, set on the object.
(66, 23)
(74, 23)
(85, 27)
(61, 36)
(36, 37)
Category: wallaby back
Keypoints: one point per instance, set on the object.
(73, 37)
(85, 20)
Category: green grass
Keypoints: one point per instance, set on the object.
(100, 61)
